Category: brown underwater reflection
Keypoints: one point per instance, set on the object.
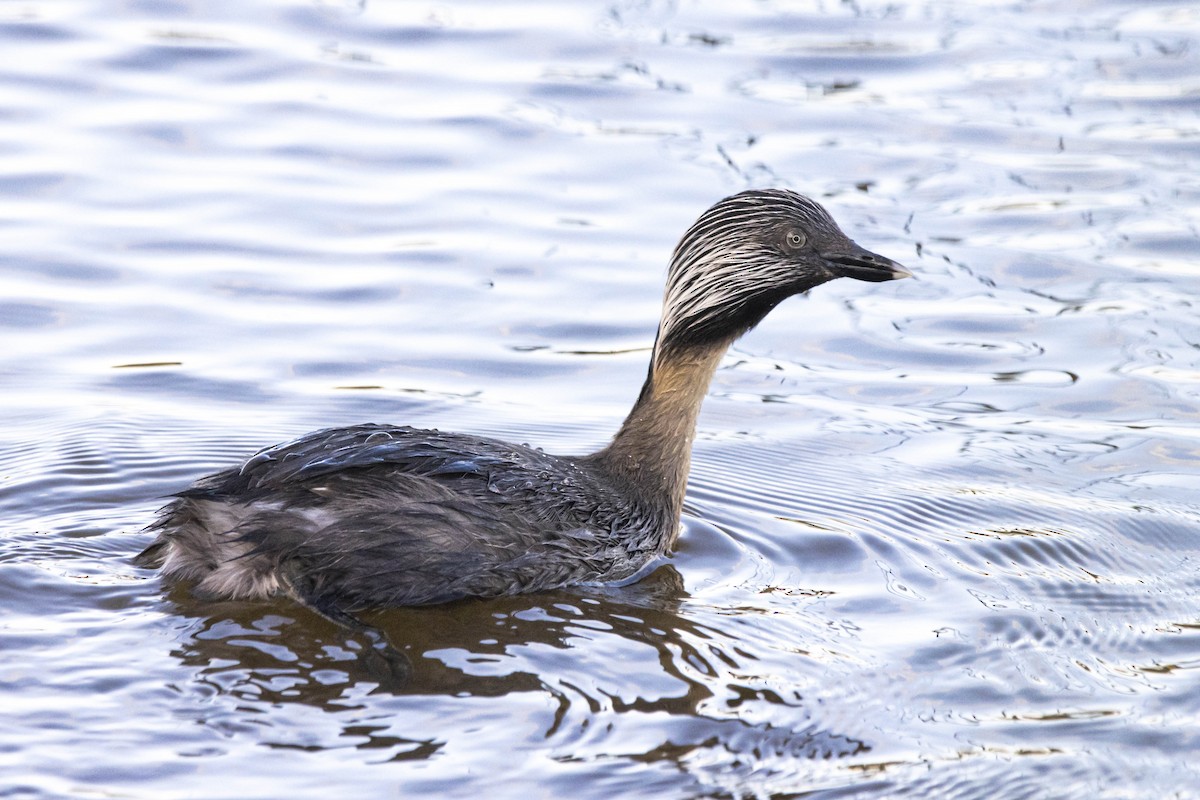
(594, 662)
(942, 535)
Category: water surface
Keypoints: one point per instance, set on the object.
(942, 535)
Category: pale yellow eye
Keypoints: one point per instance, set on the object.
(795, 239)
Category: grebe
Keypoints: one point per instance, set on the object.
(373, 516)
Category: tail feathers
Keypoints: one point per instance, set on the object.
(153, 556)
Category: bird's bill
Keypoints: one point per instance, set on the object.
(863, 265)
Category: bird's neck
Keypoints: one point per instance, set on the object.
(651, 453)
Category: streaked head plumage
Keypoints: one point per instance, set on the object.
(746, 254)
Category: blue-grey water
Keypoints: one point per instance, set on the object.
(942, 536)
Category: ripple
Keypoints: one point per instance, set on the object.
(941, 535)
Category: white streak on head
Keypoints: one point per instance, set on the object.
(729, 258)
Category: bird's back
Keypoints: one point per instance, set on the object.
(377, 515)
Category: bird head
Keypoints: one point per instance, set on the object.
(747, 254)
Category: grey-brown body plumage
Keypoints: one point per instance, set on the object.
(377, 515)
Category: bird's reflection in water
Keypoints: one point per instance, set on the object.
(289, 653)
(627, 650)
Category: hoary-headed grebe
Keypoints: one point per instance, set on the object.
(374, 516)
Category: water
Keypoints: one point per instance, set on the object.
(943, 537)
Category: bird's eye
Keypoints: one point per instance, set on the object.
(795, 239)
